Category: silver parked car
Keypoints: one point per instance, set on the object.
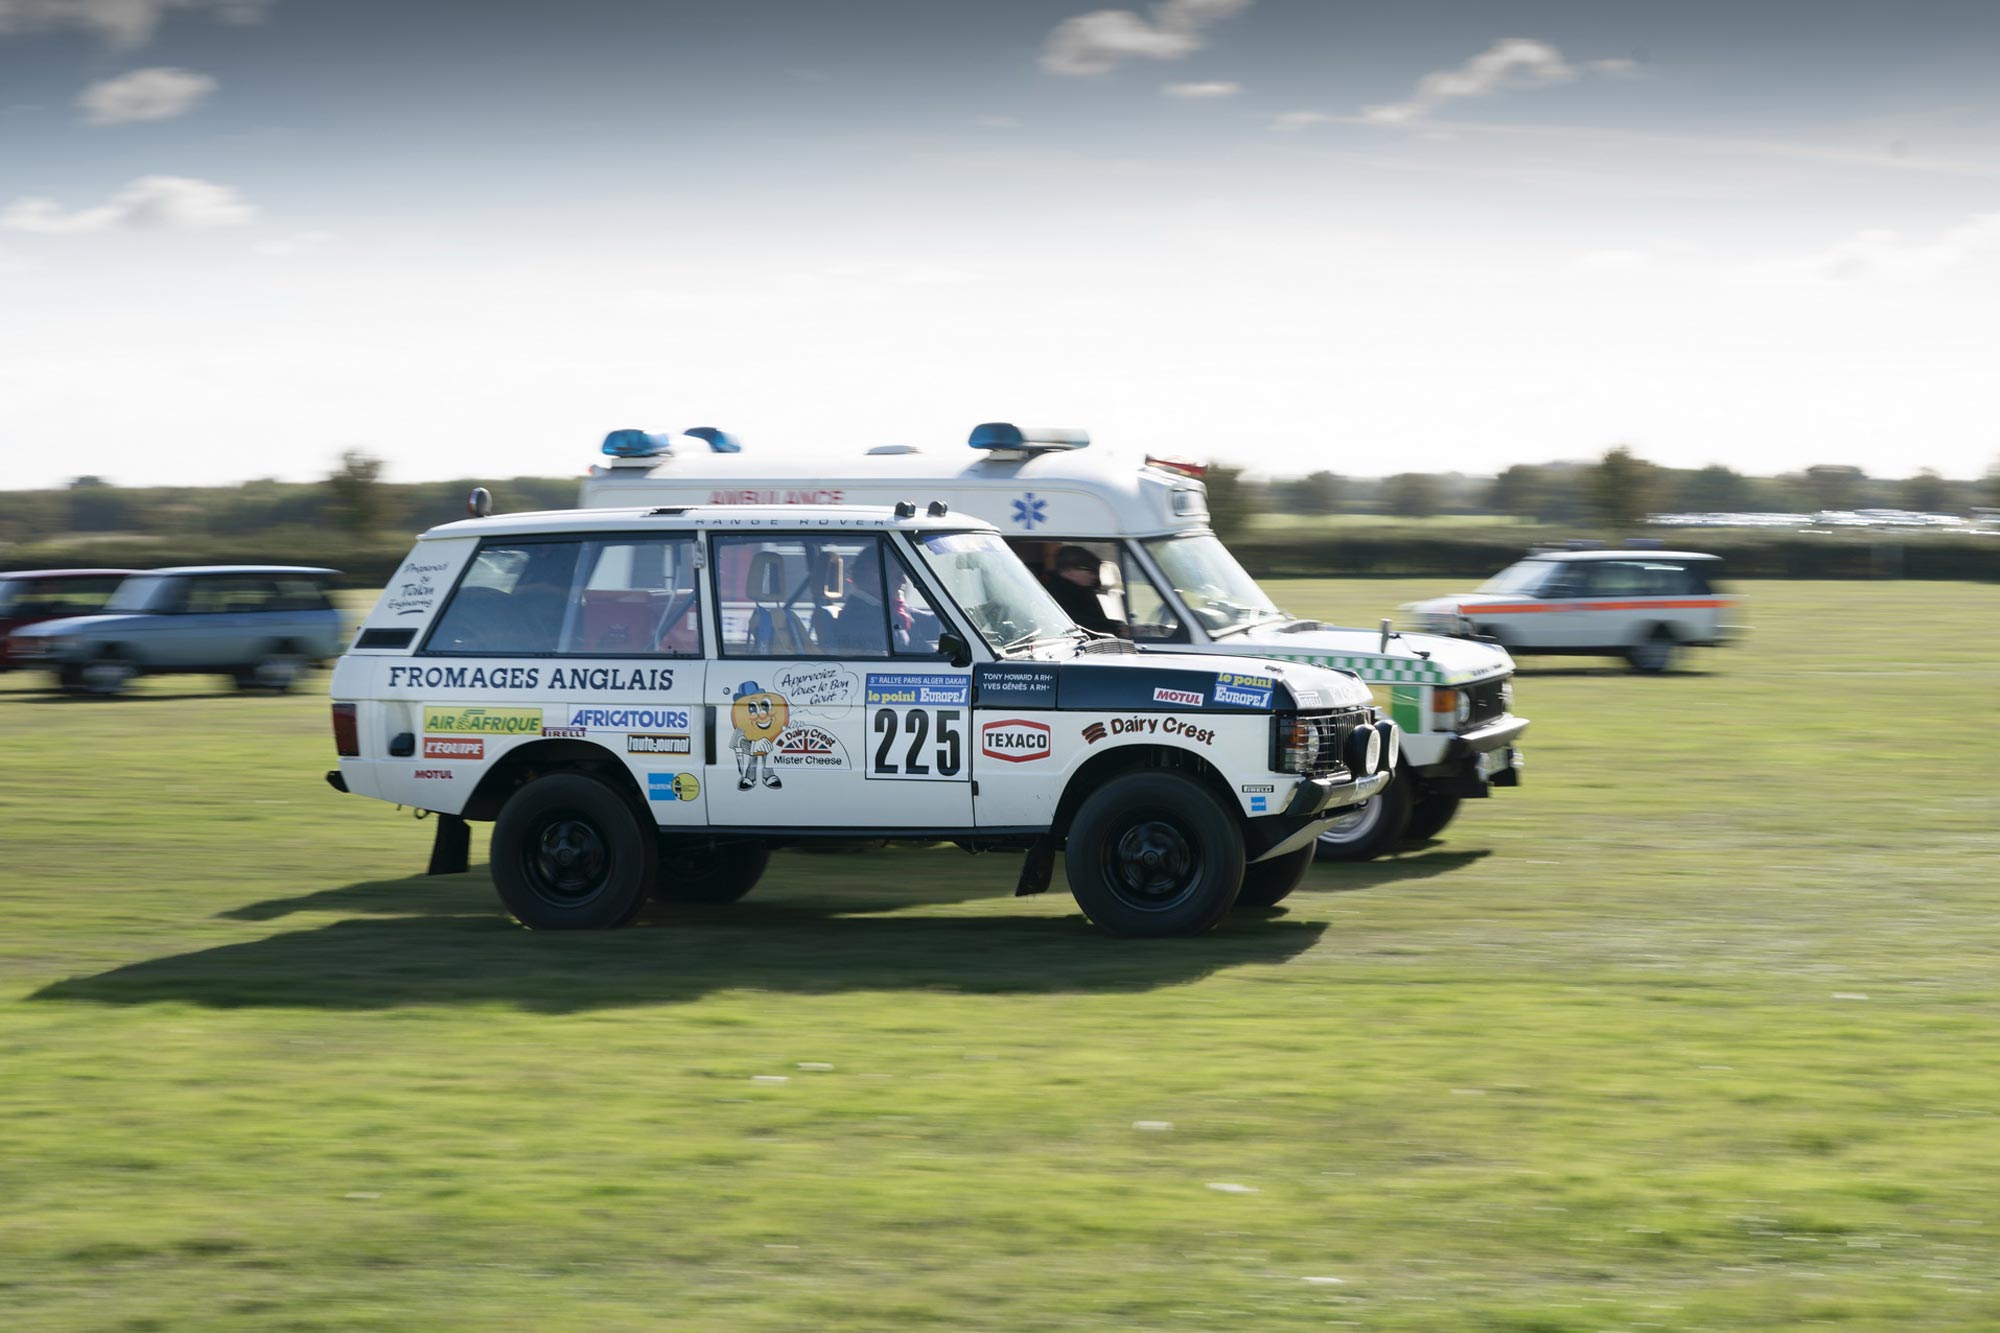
(261, 625)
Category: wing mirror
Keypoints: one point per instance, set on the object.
(955, 649)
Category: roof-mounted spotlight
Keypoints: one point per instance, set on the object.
(719, 441)
(1006, 435)
(636, 444)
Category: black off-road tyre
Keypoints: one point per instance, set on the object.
(1154, 854)
(278, 669)
(1654, 654)
(1428, 816)
(108, 675)
(569, 853)
(708, 874)
(1268, 883)
(1373, 830)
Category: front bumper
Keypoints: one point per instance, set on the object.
(1315, 804)
(1477, 761)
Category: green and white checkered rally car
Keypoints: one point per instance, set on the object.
(646, 701)
(1158, 577)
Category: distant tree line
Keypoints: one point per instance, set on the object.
(1619, 490)
(354, 503)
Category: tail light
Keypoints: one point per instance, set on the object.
(346, 732)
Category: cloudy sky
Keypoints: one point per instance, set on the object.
(240, 236)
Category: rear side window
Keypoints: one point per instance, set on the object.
(806, 596)
(222, 594)
(615, 597)
(56, 597)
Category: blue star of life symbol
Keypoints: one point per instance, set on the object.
(1029, 511)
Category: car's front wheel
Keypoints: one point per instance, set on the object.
(1365, 832)
(569, 854)
(107, 675)
(1428, 816)
(708, 873)
(1154, 854)
(1268, 883)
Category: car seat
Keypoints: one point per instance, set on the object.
(771, 631)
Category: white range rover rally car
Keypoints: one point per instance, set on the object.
(1163, 580)
(647, 701)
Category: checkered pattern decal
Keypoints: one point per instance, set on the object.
(1389, 670)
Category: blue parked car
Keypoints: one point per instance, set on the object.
(262, 625)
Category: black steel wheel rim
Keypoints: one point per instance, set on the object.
(1150, 864)
(565, 859)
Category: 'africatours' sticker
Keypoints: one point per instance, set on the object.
(474, 720)
(918, 688)
(626, 719)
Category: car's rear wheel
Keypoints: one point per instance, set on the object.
(1428, 816)
(1268, 883)
(279, 670)
(708, 873)
(1154, 854)
(569, 853)
(1365, 833)
(1654, 653)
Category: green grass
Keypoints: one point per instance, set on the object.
(1589, 1062)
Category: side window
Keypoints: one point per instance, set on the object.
(640, 595)
(802, 596)
(65, 597)
(208, 596)
(515, 599)
(1151, 616)
(914, 624)
(298, 594)
(1618, 578)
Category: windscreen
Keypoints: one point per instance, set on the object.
(1523, 576)
(136, 593)
(1218, 591)
(1011, 611)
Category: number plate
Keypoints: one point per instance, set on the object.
(1496, 761)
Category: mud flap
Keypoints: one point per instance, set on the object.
(1036, 868)
(452, 847)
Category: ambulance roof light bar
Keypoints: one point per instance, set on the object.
(1005, 435)
(646, 444)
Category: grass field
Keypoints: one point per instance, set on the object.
(1694, 1030)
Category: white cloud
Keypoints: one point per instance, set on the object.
(1199, 91)
(298, 243)
(1293, 121)
(159, 93)
(1880, 252)
(1511, 62)
(126, 24)
(1095, 42)
(180, 202)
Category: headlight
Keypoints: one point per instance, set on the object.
(1392, 744)
(1461, 712)
(1506, 696)
(1297, 744)
(1364, 751)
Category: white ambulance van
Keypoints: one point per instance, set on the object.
(647, 701)
(1163, 580)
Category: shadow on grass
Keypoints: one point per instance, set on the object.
(1425, 864)
(467, 952)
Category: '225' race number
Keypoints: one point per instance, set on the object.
(925, 743)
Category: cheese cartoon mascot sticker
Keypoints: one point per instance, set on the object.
(759, 717)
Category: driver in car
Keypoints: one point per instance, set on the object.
(1078, 586)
